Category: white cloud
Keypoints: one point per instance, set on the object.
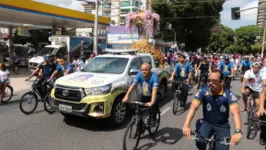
(70, 4)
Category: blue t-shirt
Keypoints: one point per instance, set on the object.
(61, 68)
(226, 68)
(183, 70)
(147, 85)
(216, 107)
(47, 69)
(246, 65)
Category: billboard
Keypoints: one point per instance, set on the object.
(123, 38)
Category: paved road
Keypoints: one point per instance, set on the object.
(41, 131)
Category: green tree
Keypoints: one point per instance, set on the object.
(246, 37)
(194, 32)
(222, 37)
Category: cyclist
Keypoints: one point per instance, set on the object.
(15, 62)
(217, 102)
(44, 70)
(63, 68)
(214, 65)
(182, 71)
(252, 83)
(227, 69)
(149, 83)
(4, 81)
(204, 70)
(245, 66)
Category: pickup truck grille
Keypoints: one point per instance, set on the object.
(68, 94)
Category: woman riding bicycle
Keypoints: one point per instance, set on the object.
(4, 80)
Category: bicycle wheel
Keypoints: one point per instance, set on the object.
(47, 103)
(8, 94)
(131, 134)
(30, 99)
(250, 116)
(154, 122)
(176, 103)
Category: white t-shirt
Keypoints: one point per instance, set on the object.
(4, 75)
(258, 84)
(80, 64)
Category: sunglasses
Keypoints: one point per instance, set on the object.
(213, 81)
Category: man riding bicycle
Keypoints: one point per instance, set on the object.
(44, 70)
(245, 66)
(149, 83)
(182, 71)
(253, 83)
(63, 68)
(216, 101)
(227, 70)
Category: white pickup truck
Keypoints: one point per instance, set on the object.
(97, 91)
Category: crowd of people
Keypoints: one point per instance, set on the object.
(215, 94)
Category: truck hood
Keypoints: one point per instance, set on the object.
(87, 80)
(37, 59)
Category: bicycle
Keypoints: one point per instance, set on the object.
(48, 100)
(202, 80)
(7, 96)
(177, 95)
(211, 142)
(15, 68)
(141, 123)
(227, 81)
(251, 112)
(35, 95)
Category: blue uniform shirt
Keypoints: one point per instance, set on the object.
(246, 65)
(226, 68)
(183, 70)
(216, 107)
(147, 85)
(47, 69)
(61, 68)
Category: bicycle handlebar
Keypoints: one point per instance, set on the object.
(194, 136)
(137, 102)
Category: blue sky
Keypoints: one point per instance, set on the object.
(247, 17)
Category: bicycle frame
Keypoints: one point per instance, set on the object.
(138, 117)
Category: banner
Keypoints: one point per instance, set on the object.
(23, 32)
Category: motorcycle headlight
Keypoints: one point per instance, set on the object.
(99, 90)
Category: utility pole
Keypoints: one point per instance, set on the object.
(263, 43)
(95, 40)
(95, 35)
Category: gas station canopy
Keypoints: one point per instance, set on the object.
(15, 13)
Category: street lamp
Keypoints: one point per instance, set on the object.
(95, 37)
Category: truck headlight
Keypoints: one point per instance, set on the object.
(99, 90)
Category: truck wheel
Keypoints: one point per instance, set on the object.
(119, 112)
(163, 89)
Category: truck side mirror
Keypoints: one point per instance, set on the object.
(133, 71)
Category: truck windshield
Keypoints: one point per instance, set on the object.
(46, 50)
(106, 65)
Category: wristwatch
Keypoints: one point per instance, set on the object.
(238, 131)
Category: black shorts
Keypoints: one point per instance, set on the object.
(254, 94)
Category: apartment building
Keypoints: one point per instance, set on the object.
(261, 13)
(117, 9)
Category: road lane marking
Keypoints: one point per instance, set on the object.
(165, 110)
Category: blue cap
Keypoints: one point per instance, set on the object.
(46, 58)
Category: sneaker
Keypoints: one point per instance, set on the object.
(262, 142)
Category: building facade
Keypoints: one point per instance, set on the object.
(261, 13)
(118, 9)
